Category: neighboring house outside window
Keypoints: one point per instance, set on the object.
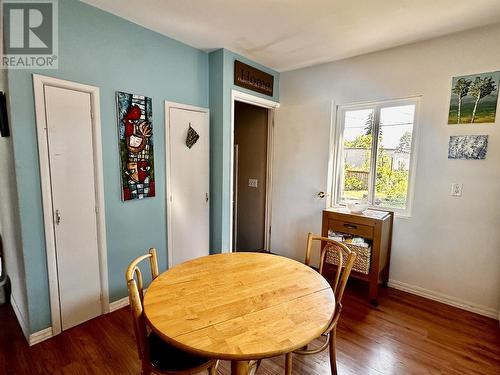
(375, 147)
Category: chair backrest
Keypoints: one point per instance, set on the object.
(133, 277)
(341, 273)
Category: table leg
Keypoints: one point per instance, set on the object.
(239, 367)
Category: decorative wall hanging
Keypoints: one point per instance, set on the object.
(192, 136)
(253, 79)
(136, 145)
(474, 98)
(468, 147)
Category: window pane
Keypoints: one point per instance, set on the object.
(393, 156)
(357, 154)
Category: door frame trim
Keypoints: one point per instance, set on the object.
(39, 82)
(168, 199)
(271, 106)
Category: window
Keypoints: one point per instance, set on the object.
(375, 153)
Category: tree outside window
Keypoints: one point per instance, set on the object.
(380, 177)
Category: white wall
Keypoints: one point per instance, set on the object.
(449, 248)
(9, 224)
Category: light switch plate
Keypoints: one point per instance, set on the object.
(456, 190)
(252, 182)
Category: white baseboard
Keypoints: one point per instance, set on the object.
(113, 306)
(47, 333)
(40, 336)
(122, 302)
(20, 318)
(443, 298)
(33, 338)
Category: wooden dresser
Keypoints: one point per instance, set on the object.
(376, 228)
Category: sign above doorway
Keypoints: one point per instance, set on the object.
(252, 78)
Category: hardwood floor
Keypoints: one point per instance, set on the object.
(405, 334)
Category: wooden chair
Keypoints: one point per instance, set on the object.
(156, 355)
(338, 286)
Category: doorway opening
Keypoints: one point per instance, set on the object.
(250, 176)
(253, 121)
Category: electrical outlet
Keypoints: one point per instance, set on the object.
(252, 182)
(456, 190)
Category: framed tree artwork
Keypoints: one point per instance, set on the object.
(136, 145)
(474, 98)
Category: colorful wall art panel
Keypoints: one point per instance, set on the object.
(136, 145)
(468, 147)
(474, 98)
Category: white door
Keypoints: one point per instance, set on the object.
(69, 130)
(188, 175)
(300, 174)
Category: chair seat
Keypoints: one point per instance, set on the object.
(168, 358)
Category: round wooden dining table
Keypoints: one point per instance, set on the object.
(239, 306)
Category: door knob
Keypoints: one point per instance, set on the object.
(321, 195)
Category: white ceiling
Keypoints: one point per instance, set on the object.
(289, 34)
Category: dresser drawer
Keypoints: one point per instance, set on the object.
(351, 228)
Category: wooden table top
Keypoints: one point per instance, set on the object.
(239, 306)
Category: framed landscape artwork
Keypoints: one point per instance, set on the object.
(136, 145)
(468, 147)
(474, 98)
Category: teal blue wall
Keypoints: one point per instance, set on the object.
(103, 50)
(100, 49)
(222, 64)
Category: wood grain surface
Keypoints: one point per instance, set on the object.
(405, 334)
(239, 306)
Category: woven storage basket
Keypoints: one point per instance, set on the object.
(361, 263)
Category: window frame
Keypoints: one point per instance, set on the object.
(337, 147)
